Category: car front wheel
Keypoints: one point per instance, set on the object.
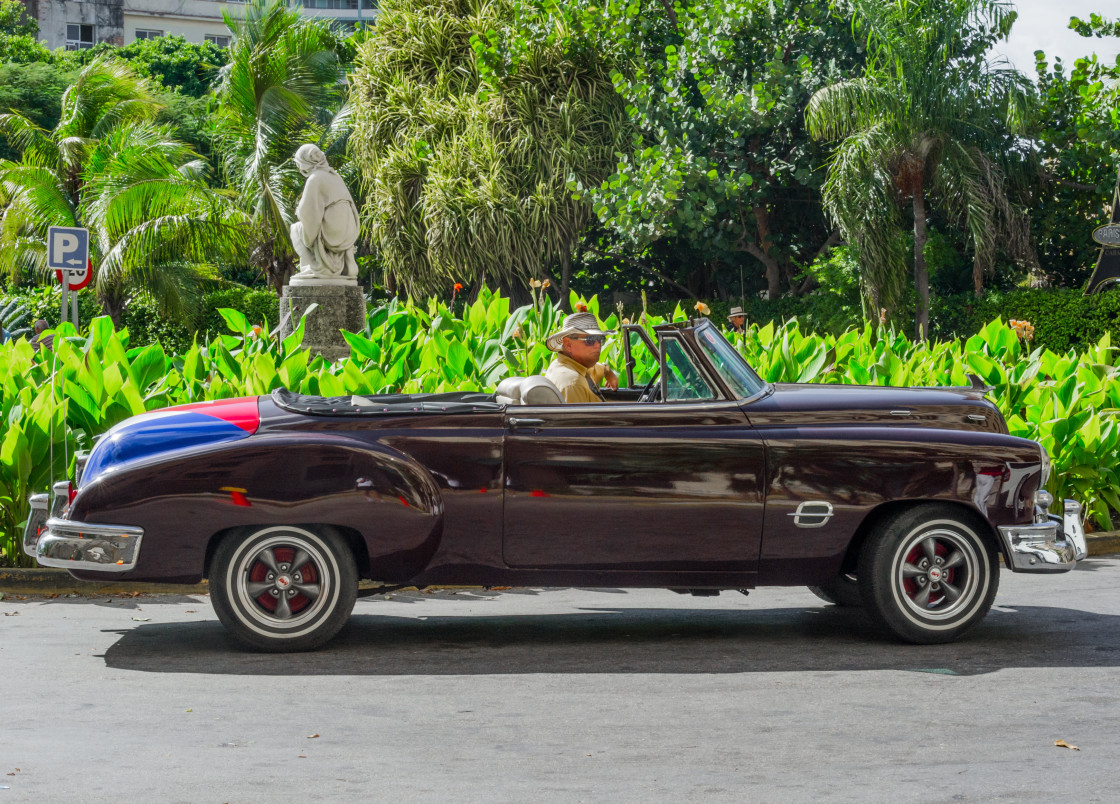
(284, 588)
(928, 575)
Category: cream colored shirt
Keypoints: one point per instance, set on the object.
(574, 380)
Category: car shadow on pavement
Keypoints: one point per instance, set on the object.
(629, 640)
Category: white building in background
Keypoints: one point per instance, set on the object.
(79, 24)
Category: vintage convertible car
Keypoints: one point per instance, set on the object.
(698, 477)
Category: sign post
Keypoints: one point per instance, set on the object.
(68, 255)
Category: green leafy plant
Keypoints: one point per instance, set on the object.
(54, 402)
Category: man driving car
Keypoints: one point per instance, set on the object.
(575, 369)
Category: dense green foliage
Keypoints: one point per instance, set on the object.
(923, 125)
(145, 322)
(465, 152)
(55, 402)
(1078, 131)
(155, 226)
(721, 163)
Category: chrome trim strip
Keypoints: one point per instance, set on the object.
(60, 499)
(1073, 529)
(88, 546)
(1037, 547)
(804, 511)
(36, 519)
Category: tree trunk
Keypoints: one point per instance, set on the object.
(565, 273)
(921, 273)
(773, 270)
(114, 306)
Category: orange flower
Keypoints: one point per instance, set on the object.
(581, 307)
(458, 287)
(545, 284)
(1023, 329)
(256, 331)
(702, 308)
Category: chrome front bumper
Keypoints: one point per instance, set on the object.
(1054, 545)
(57, 542)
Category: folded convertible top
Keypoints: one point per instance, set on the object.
(386, 404)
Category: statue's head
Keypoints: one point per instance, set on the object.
(308, 158)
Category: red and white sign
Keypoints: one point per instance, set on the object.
(78, 279)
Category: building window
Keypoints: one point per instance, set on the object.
(220, 41)
(339, 4)
(79, 37)
(141, 33)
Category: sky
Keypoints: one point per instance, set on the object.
(1044, 25)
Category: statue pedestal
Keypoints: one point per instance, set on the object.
(340, 307)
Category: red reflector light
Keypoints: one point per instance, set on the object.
(71, 493)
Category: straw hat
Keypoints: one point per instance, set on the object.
(736, 311)
(575, 324)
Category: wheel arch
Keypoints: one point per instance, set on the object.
(351, 536)
(887, 510)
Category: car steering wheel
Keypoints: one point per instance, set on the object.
(649, 393)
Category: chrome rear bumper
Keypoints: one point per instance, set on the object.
(1054, 545)
(56, 542)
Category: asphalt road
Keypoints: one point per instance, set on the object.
(566, 695)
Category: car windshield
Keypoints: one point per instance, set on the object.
(739, 377)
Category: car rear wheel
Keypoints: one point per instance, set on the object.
(842, 591)
(928, 575)
(284, 588)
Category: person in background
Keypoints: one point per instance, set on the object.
(38, 340)
(737, 318)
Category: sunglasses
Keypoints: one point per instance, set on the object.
(592, 340)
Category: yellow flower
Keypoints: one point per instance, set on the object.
(625, 322)
(535, 283)
(702, 308)
(546, 284)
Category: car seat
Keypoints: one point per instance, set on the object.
(535, 390)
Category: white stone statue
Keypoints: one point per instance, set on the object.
(327, 227)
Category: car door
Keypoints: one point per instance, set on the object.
(675, 484)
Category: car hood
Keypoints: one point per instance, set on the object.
(799, 405)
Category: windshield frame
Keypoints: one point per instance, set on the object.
(711, 350)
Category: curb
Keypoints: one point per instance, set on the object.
(1107, 542)
(60, 582)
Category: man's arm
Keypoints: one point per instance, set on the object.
(601, 371)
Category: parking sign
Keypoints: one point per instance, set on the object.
(68, 250)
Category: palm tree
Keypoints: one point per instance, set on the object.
(155, 227)
(921, 126)
(284, 85)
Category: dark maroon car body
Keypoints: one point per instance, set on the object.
(778, 488)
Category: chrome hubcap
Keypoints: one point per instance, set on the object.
(282, 580)
(937, 573)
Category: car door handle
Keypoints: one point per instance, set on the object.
(515, 423)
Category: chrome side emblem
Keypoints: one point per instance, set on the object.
(812, 514)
